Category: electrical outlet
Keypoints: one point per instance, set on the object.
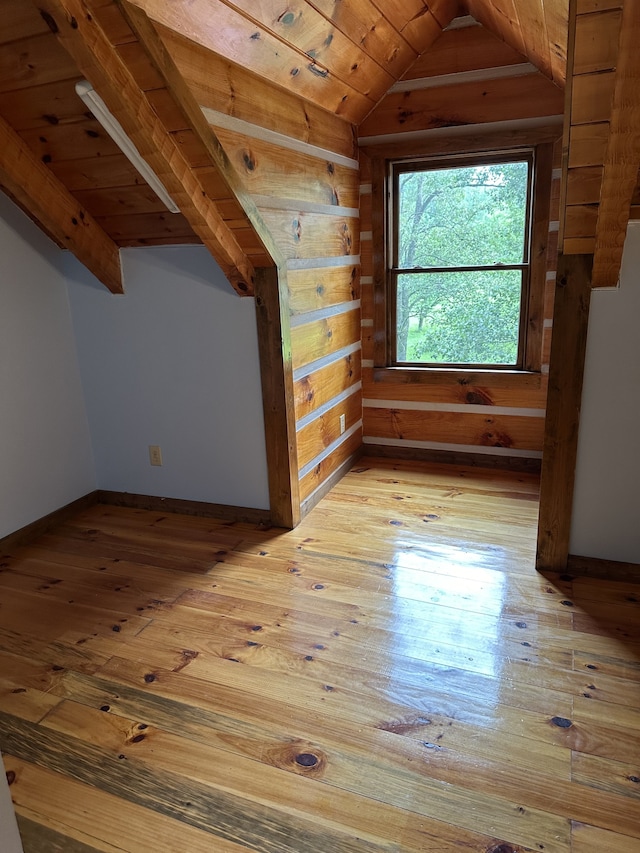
(343, 423)
(155, 454)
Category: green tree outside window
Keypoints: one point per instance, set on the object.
(457, 228)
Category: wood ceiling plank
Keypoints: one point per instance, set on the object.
(120, 201)
(400, 12)
(537, 28)
(80, 33)
(364, 24)
(198, 126)
(422, 32)
(622, 155)
(89, 173)
(129, 229)
(501, 17)
(59, 142)
(444, 11)
(19, 21)
(218, 27)
(42, 106)
(223, 86)
(464, 49)
(418, 22)
(187, 239)
(556, 14)
(476, 140)
(469, 103)
(34, 62)
(533, 23)
(305, 28)
(38, 190)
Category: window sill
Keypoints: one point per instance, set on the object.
(458, 376)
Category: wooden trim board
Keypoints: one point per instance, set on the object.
(324, 489)
(593, 567)
(453, 457)
(202, 509)
(41, 525)
(566, 370)
(278, 399)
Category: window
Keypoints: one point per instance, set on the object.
(460, 286)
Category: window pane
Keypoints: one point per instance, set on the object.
(463, 216)
(459, 317)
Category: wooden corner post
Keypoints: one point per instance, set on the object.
(566, 370)
(276, 369)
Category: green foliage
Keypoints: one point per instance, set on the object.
(451, 218)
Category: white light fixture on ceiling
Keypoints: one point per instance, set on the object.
(115, 130)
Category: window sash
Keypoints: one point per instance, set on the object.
(396, 169)
(393, 320)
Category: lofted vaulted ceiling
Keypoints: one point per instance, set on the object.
(320, 63)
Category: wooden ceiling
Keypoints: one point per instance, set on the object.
(311, 61)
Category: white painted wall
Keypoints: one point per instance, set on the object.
(173, 362)
(45, 448)
(606, 506)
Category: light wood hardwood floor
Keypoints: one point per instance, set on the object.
(392, 675)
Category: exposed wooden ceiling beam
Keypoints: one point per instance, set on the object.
(186, 102)
(78, 30)
(38, 190)
(622, 156)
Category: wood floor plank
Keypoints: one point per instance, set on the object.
(390, 676)
(27, 702)
(617, 777)
(340, 764)
(313, 696)
(346, 659)
(19, 608)
(231, 711)
(590, 839)
(111, 595)
(169, 793)
(51, 651)
(625, 664)
(85, 813)
(625, 718)
(39, 838)
(295, 792)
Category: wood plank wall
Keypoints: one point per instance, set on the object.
(300, 167)
(499, 416)
(594, 58)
